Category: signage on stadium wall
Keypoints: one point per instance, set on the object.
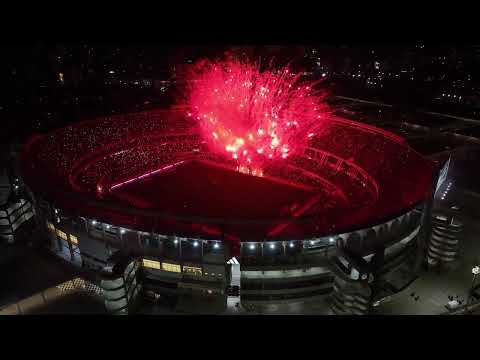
(443, 175)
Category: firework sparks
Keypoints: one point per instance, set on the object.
(252, 116)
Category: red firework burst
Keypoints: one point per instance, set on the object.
(252, 116)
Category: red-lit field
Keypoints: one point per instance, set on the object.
(195, 188)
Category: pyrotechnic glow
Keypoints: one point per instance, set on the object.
(252, 116)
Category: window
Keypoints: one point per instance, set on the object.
(152, 264)
(61, 234)
(171, 267)
(50, 226)
(73, 239)
(154, 243)
(192, 270)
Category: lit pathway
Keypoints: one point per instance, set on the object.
(57, 298)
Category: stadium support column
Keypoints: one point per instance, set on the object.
(423, 236)
(352, 294)
(447, 233)
(120, 284)
(426, 226)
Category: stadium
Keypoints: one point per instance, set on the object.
(140, 201)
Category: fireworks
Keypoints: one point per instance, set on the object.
(252, 116)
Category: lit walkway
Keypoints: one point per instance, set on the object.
(33, 281)
(76, 296)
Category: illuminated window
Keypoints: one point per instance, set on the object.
(152, 264)
(73, 239)
(171, 267)
(192, 270)
(50, 226)
(62, 235)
